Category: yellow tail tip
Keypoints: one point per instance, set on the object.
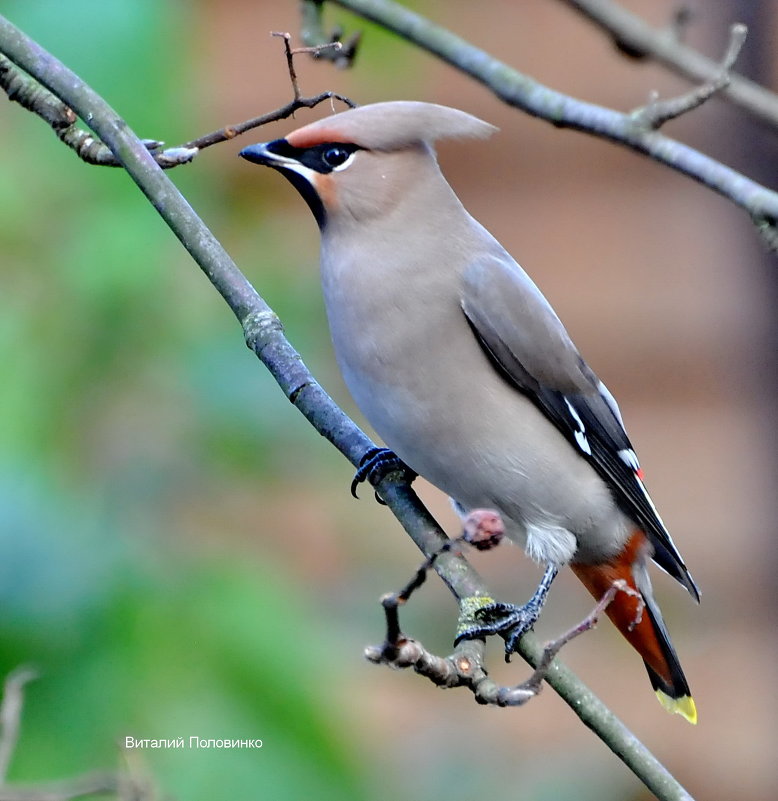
(680, 706)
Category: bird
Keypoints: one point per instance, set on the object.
(467, 374)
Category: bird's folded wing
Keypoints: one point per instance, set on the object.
(528, 345)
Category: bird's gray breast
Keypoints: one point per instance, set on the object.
(420, 377)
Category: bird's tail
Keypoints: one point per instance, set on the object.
(644, 629)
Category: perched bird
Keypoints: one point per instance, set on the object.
(463, 368)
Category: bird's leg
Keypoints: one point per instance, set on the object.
(377, 463)
(515, 621)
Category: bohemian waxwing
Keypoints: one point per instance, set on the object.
(463, 368)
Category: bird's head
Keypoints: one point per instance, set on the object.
(359, 163)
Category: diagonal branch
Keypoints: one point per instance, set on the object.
(563, 111)
(264, 335)
(637, 38)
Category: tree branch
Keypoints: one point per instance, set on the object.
(28, 92)
(465, 667)
(563, 111)
(313, 34)
(658, 112)
(484, 530)
(10, 722)
(637, 38)
(295, 104)
(69, 789)
(264, 335)
(11, 714)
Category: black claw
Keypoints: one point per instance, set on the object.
(528, 616)
(374, 465)
(364, 469)
(509, 619)
(500, 618)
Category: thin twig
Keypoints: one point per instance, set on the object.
(289, 64)
(635, 36)
(11, 714)
(535, 682)
(295, 104)
(314, 35)
(134, 781)
(657, 112)
(465, 667)
(282, 113)
(67, 790)
(484, 529)
(10, 722)
(291, 53)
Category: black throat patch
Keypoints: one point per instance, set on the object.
(321, 159)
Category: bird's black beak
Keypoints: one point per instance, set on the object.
(258, 154)
(278, 154)
(285, 158)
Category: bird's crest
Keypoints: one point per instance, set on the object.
(391, 126)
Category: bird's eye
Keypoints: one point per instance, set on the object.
(335, 156)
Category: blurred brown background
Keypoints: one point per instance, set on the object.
(663, 285)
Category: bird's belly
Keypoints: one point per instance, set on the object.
(488, 446)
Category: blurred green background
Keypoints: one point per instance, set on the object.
(129, 408)
(178, 552)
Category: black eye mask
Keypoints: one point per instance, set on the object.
(322, 158)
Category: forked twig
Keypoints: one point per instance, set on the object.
(465, 666)
(313, 33)
(297, 102)
(292, 52)
(638, 39)
(657, 112)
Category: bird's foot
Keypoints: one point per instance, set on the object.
(481, 617)
(375, 465)
(511, 620)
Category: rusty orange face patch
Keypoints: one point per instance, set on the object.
(324, 185)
